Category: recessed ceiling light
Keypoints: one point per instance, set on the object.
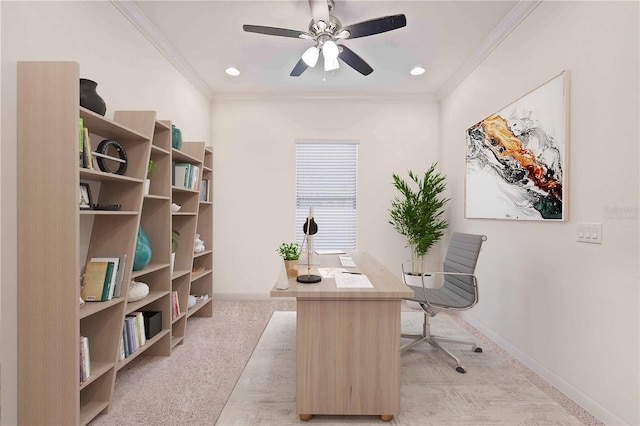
(417, 71)
(232, 71)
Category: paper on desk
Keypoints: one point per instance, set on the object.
(330, 272)
(330, 252)
(352, 281)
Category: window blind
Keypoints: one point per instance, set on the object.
(326, 180)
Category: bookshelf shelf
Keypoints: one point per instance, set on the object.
(91, 409)
(92, 308)
(198, 306)
(140, 304)
(97, 370)
(141, 350)
(100, 176)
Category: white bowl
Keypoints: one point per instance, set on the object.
(175, 207)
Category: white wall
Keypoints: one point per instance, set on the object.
(131, 74)
(569, 309)
(254, 183)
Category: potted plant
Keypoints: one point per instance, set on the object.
(290, 253)
(175, 237)
(417, 213)
(147, 181)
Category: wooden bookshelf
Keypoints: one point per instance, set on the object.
(56, 238)
(189, 222)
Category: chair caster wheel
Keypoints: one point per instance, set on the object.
(461, 369)
(478, 350)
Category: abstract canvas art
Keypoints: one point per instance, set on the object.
(516, 158)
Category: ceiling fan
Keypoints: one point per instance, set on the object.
(324, 30)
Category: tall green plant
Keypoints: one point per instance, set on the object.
(417, 213)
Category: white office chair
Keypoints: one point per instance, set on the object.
(459, 291)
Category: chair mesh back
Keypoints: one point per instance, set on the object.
(462, 256)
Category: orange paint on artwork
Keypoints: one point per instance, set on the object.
(504, 143)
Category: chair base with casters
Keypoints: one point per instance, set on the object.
(459, 290)
(435, 341)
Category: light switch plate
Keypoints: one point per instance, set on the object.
(590, 233)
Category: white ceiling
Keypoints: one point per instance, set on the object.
(202, 38)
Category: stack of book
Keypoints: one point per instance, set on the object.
(85, 362)
(186, 176)
(133, 334)
(102, 278)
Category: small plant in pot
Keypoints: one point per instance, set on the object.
(417, 213)
(290, 253)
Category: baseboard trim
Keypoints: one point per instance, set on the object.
(590, 405)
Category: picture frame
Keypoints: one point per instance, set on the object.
(516, 158)
(85, 201)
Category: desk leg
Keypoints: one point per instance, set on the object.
(306, 417)
(386, 417)
(348, 357)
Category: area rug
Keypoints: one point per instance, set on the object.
(492, 392)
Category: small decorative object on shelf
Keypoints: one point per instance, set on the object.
(176, 137)
(137, 291)
(85, 197)
(143, 251)
(198, 245)
(112, 207)
(175, 207)
(89, 98)
(111, 157)
(191, 302)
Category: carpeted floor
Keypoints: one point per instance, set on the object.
(192, 386)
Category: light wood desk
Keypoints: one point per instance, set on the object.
(348, 342)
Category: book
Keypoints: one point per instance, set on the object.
(85, 360)
(93, 281)
(141, 328)
(182, 174)
(108, 279)
(194, 177)
(119, 261)
(83, 158)
(87, 148)
(204, 190)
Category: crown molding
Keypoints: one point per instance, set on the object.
(510, 22)
(146, 27)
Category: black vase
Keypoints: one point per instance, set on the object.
(89, 98)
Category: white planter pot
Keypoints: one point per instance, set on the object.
(147, 185)
(173, 261)
(430, 281)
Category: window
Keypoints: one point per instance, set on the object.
(326, 180)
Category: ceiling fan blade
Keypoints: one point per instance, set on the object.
(300, 67)
(376, 26)
(319, 10)
(354, 61)
(282, 32)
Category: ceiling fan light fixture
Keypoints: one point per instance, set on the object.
(330, 50)
(232, 71)
(331, 64)
(310, 56)
(417, 71)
